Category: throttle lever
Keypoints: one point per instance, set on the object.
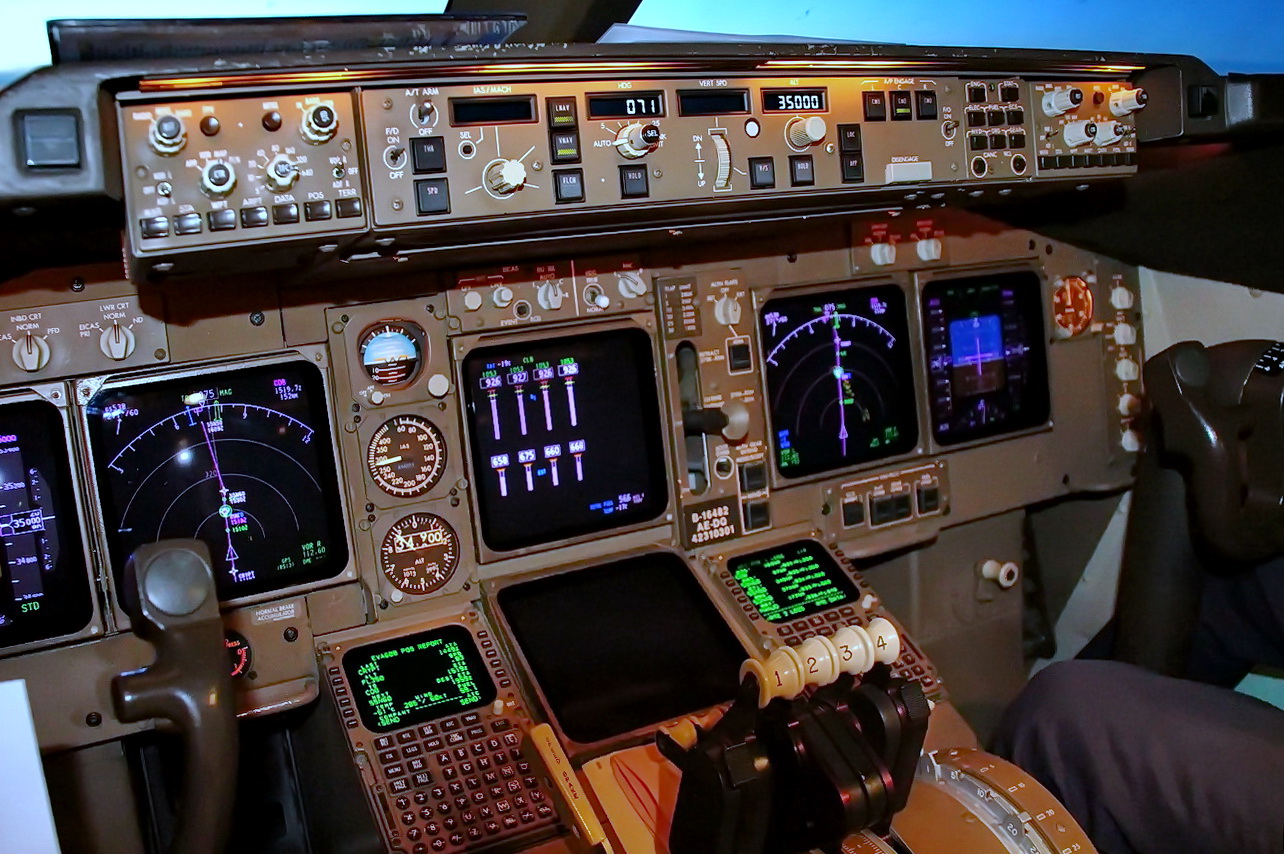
(170, 597)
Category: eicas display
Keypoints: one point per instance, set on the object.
(839, 378)
(565, 436)
(241, 459)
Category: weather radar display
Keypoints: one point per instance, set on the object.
(839, 378)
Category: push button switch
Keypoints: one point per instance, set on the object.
(802, 170)
(875, 104)
(568, 185)
(762, 173)
(633, 182)
(428, 154)
(432, 196)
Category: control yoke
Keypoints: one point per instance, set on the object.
(1209, 492)
(169, 594)
(799, 774)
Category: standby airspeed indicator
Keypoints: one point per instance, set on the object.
(406, 456)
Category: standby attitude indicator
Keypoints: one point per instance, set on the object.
(839, 378)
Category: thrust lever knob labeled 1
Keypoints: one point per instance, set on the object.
(505, 176)
(637, 140)
(803, 132)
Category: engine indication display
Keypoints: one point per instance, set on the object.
(839, 378)
(409, 680)
(406, 456)
(419, 553)
(241, 459)
(565, 436)
(985, 356)
(44, 582)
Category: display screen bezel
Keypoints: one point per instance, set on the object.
(73, 538)
(492, 544)
(836, 577)
(1035, 311)
(315, 358)
(477, 105)
(595, 104)
(617, 571)
(822, 91)
(365, 652)
(905, 445)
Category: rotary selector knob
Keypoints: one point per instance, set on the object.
(1127, 101)
(883, 254)
(423, 114)
(1125, 334)
(803, 132)
(31, 352)
(320, 124)
(502, 296)
(549, 296)
(117, 343)
(637, 140)
(504, 177)
(727, 310)
(1127, 370)
(1061, 101)
(281, 173)
(632, 285)
(167, 135)
(1079, 133)
(929, 249)
(218, 178)
(1121, 298)
(1111, 132)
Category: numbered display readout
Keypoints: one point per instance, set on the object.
(409, 680)
(794, 100)
(792, 581)
(631, 105)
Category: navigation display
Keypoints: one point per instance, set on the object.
(986, 364)
(241, 459)
(792, 581)
(622, 646)
(565, 436)
(840, 382)
(44, 580)
(409, 680)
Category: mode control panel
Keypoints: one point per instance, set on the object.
(452, 152)
(220, 171)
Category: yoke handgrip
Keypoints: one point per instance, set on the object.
(170, 596)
